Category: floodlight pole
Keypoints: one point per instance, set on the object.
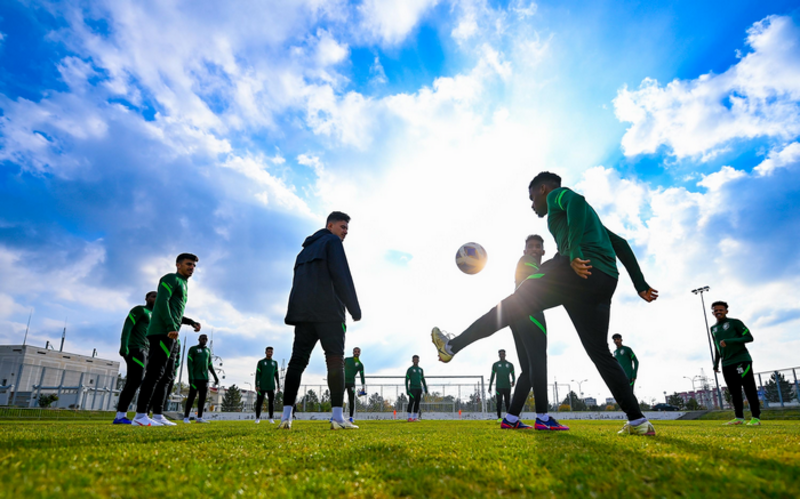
(700, 291)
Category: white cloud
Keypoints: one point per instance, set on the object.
(757, 97)
(391, 22)
(780, 159)
(267, 188)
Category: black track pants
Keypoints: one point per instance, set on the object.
(159, 355)
(260, 402)
(136, 361)
(414, 399)
(503, 394)
(197, 388)
(739, 376)
(530, 338)
(306, 335)
(163, 387)
(351, 398)
(588, 304)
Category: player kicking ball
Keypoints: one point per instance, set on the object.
(582, 278)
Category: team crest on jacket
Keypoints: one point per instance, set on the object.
(726, 325)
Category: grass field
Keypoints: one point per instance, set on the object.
(390, 459)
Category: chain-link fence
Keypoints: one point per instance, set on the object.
(37, 386)
(779, 388)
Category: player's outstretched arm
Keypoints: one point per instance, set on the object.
(191, 322)
(628, 259)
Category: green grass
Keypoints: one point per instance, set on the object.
(390, 459)
(766, 414)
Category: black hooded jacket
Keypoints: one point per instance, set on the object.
(322, 285)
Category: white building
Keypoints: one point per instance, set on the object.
(80, 381)
(590, 401)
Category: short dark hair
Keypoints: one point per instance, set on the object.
(337, 216)
(415, 356)
(502, 350)
(186, 256)
(270, 348)
(545, 178)
(534, 237)
(204, 335)
(719, 302)
(616, 335)
(150, 293)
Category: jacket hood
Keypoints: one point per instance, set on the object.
(316, 237)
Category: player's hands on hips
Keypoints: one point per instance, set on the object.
(173, 335)
(197, 326)
(649, 295)
(581, 267)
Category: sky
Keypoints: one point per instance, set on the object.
(134, 131)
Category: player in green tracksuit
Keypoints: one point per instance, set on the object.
(198, 365)
(415, 386)
(133, 348)
(353, 366)
(582, 277)
(730, 336)
(504, 370)
(627, 359)
(165, 322)
(267, 382)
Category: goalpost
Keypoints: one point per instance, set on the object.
(445, 393)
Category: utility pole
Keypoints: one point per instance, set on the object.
(63, 335)
(700, 291)
(25, 340)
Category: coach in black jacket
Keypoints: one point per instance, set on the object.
(321, 290)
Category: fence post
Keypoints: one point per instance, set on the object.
(761, 388)
(61, 384)
(18, 383)
(796, 386)
(483, 398)
(780, 389)
(78, 401)
(39, 389)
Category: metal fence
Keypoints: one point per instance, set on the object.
(73, 389)
(779, 388)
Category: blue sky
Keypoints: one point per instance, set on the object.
(133, 131)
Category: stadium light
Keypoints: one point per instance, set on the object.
(700, 291)
(580, 390)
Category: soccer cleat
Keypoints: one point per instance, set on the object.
(258, 421)
(201, 420)
(499, 420)
(549, 425)
(645, 429)
(272, 421)
(754, 422)
(286, 424)
(145, 421)
(165, 422)
(519, 425)
(121, 421)
(351, 420)
(440, 340)
(187, 420)
(343, 425)
(735, 422)
(410, 420)
(154, 422)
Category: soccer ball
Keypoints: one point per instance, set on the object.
(471, 258)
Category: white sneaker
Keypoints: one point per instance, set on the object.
(201, 420)
(343, 425)
(164, 421)
(145, 421)
(286, 424)
(258, 421)
(272, 421)
(187, 420)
